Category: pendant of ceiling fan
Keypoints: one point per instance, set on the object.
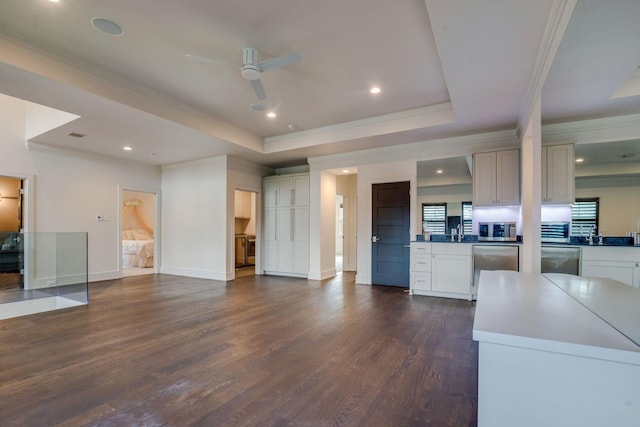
(252, 67)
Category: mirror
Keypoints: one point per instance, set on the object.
(444, 181)
(611, 172)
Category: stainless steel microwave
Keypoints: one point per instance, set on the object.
(497, 231)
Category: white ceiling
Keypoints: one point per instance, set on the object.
(446, 68)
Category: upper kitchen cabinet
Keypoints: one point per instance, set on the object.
(242, 204)
(496, 178)
(558, 174)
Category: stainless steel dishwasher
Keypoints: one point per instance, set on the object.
(560, 259)
(494, 257)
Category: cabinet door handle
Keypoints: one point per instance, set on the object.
(293, 196)
(293, 220)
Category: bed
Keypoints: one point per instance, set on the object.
(137, 248)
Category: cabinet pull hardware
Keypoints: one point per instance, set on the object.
(293, 196)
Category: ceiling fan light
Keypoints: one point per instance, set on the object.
(250, 72)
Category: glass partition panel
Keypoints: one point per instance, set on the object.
(42, 271)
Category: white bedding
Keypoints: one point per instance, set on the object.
(137, 253)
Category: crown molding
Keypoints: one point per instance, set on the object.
(606, 129)
(79, 154)
(425, 150)
(416, 118)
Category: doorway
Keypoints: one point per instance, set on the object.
(339, 233)
(245, 233)
(138, 232)
(390, 234)
(11, 241)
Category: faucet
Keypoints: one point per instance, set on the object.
(600, 238)
(460, 233)
(591, 233)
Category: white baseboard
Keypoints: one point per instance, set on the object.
(322, 275)
(201, 274)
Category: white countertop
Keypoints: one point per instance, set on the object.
(528, 310)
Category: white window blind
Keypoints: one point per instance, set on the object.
(434, 217)
(467, 214)
(584, 215)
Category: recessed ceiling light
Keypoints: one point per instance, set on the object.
(439, 171)
(579, 160)
(54, 1)
(107, 26)
(291, 127)
(374, 90)
(271, 115)
(345, 170)
(127, 148)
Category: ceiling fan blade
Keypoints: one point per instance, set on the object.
(258, 88)
(279, 62)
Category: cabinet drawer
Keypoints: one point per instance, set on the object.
(421, 281)
(421, 262)
(420, 247)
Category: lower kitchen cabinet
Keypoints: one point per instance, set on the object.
(448, 274)
(420, 273)
(618, 263)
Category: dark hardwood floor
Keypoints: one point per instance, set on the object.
(165, 350)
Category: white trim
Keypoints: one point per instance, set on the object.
(388, 123)
(189, 272)
(608, 129)
(322, 275)
(424, 150)
(157, 215)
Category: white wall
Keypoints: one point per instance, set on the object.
(619, 202)
(194, 218)
(69, 190)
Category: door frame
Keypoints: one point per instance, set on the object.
(409, 222)
(28, 223)
(157, 238)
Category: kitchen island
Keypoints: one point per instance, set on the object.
(545, 359)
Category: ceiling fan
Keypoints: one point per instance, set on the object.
(252, 67)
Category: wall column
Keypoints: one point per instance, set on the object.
(531, 145)
(322, 217)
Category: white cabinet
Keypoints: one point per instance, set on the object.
(286, 225)
(496, 178)
(420, 272)
(441, 269)
(619, 263)
(558, 182)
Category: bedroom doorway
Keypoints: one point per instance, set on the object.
(138, 232)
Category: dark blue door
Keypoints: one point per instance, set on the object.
(390, 234)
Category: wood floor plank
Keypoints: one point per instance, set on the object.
(260, 350)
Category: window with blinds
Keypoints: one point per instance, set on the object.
(584, 215)
(467, 220)
(434, 217)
